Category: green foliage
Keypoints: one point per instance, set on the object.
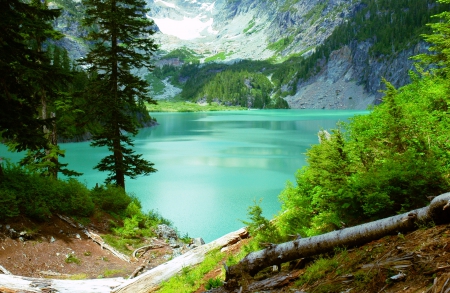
(182, 106)
(213, 283)
(190, 278)
(218, 57)
(8, 204)
(260, 228)
(184, 54)
(25, 71)
(251, 24)
(314, 14)
(30, 194)
(111, 199)
(280, 45)
(71, 258)
(317, 270)
(384, 163)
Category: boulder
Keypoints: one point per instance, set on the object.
(166, 232)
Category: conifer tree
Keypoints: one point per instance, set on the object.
(25, 71)
(121, 35)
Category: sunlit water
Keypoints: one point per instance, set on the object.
(212, 166)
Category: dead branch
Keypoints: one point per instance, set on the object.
(146, 248)
(136, 271)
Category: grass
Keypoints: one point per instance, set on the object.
(182, 106)
(72, 259)
(81, 276)
(111, 273)
(280, 45)
(218, 57)
(121, 244)
(190, 278)
(251, 24)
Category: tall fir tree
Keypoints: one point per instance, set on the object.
(121, 36)
(24, 69)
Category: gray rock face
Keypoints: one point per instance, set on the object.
(164, 231)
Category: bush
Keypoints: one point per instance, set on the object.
(111, 199)
(8, 204)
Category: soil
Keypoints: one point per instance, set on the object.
(55, 249)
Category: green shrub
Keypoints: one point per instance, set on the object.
(213, 283)
(111, 199)
(8, 204)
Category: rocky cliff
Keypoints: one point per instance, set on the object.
(232, 30)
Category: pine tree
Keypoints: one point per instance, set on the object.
(24, 69)
(121, 36)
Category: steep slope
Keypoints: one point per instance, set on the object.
(247, 29)
(324, 54)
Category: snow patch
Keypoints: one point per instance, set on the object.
(171, 5)
(186, 29)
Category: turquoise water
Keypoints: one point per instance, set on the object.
(213, 165)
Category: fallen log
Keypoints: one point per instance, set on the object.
(4, 271)
(97, 239)
(11, 283)
(254, 262)
(151, 280)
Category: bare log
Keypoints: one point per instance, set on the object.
(278, 281)
(349, 237)
(97, 239)
(151, 280)
(5, 271)
(11, 283)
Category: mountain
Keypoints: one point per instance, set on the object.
(324, 54)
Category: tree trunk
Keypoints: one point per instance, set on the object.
(151, 280)
(11, 283)
(349, 237)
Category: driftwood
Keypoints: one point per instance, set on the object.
(438, 211)
(4, 271)
(151, 280)
(96, 238)
(11, 283)
(146, 248)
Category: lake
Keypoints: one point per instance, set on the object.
(213, 165)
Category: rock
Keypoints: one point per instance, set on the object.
(176, 252)
(78, 236)
(13, 233)
(173, 243)
(52, 239)
(164, 231)
(198, 242)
